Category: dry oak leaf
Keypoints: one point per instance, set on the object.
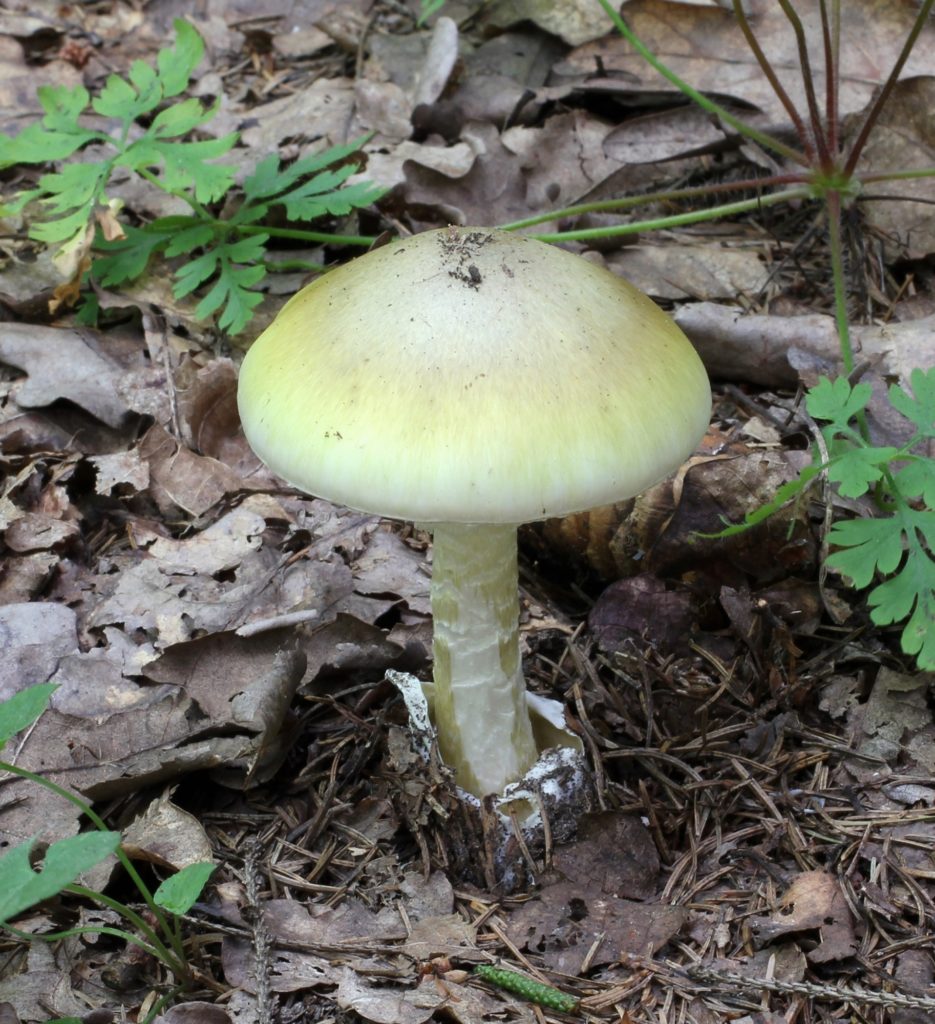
(706, 47)
(63, 363)
(813, 902)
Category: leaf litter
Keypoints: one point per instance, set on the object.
(763, 812)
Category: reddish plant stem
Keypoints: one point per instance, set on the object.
(773, 78)
(808, 80)
(830, 41)
(884, 94)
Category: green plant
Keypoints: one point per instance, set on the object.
(149, 140)
(23, 884)
(427, 8)
(896, 543)
(899, 542)
(528, 988)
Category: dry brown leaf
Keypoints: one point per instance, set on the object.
(504, 77)
(106, 734)
(206, 403)
(19, 78)
(215, 580)
(63, 363)
(663, 135)
(718, 490)
(574, 21)
(383, 108)
(643, 608)
(613, 854)
(194, 1012)
(384, 1005)
(327, 103)
(33, 637)
(38, 531)
(706, 47)
(168, 836)
(894, 726)
(324, 930)
(21, 579)
(903, 139)
(44, 989)
(440, 60)
(570, 918)
(691, 270)
(180, 479)
(516, 173)
(123, 470)
(915, 973)
(813, 902)
(613, 858)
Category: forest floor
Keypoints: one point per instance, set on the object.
(758, 838)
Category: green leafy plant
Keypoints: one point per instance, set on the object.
(152, 139)
(26, 880)
(897, 543)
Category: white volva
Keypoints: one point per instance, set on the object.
(470, 376)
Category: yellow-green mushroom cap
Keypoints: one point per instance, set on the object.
(472, 375)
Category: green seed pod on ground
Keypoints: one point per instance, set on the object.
(534, 991)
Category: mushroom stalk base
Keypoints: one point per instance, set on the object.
(483, 725)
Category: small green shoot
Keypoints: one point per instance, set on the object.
(178, 892)
(23, 885)
(427, 8)
(528, 988)
(222, 258)
(22, 709)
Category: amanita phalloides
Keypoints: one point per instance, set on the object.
(471, 380)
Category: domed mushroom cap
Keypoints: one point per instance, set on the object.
(472, 375)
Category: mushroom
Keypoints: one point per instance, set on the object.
(472, 380)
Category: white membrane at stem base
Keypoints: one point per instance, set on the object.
(420, 724)
(559, 776)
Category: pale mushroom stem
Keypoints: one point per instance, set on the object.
(483, 725)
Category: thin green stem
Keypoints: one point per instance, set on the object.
(672, 195)
(87, 929)
(884, 94)
(769, 71)
(678, 220)
(833, 207)
(305, 236)
(158, 947)
(767, 141)
(125, 861)
(922, 172)
(836, 245)
(159, 1006)
(179, 193)
(283, 266)
(808, 80)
